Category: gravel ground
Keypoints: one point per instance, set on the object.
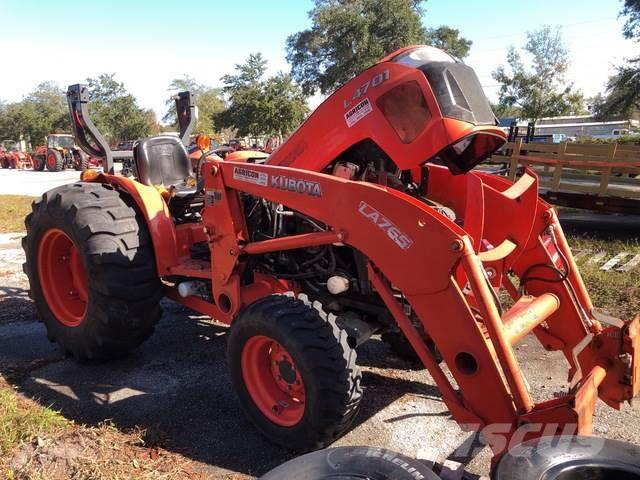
(176, 386)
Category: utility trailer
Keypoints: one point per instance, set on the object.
(384, 229)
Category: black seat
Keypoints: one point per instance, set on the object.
(164, 161)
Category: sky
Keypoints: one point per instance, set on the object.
(149, 43)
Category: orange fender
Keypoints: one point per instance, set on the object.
(155, 211)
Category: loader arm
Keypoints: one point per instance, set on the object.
(413, 249)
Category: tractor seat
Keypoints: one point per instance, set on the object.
(164, 161)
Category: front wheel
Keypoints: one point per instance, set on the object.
(294, 372)
(55, 162)
(80, 160)
(39, 162)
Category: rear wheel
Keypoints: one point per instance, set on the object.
(294, 372)
(55, 162)
(4, 162)
(91, 269)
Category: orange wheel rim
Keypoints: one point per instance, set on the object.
(273, 381)
(51, 161)
(63, 279)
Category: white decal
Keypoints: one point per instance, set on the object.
(297, 185)
(386, 225)
(250, 176)
(358, 112)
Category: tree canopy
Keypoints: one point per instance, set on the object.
(622, 94)
(258, 106)
(349, 36)
(41, 112)
(115, 111)
(537, 88)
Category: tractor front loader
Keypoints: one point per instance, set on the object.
(384, 229)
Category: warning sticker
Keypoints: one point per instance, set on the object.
(358, 112)
(250, 176)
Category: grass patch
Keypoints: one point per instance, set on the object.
(13, 209)
(22, 420)
(39, 443)
(616, 292)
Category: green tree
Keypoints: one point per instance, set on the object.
(348, 36)
(115, 111)
(42, 111)
(622, 95)
(261, 107)
(449, 40)
(284, 105)
(248, 75)
(539, 88)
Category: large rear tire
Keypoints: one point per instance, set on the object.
(91, 269)
(55, 162)
(294, 372)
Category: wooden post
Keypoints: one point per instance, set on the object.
(604, 178)
(513, 169)
(557, 171)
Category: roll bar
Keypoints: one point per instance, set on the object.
(91, 141)
(187, 115)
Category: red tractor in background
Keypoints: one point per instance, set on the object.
(12, 157)
(369, 219)
(59, 153)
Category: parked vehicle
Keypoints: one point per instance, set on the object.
(386, 228)
(12, 157)
(59, 153)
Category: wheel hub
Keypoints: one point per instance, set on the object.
(63, 279)
(273, 381)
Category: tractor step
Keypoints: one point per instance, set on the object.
(527, 313)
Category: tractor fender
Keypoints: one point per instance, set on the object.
(155, 212)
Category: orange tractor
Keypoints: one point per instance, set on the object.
(59, 153)
(12, 157)
(385, 229)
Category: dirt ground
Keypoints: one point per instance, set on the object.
(176, 387)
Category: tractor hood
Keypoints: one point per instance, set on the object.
(417, 105)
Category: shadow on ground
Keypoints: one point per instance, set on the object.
(15, 305)
(175, 386)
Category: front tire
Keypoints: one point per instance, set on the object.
(80, 160)
(294, 372)
(39, 162)
(91, 269)
(55, 162)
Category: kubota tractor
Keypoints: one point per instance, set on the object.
(59, 153)
(369, 219)
(12, 157)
